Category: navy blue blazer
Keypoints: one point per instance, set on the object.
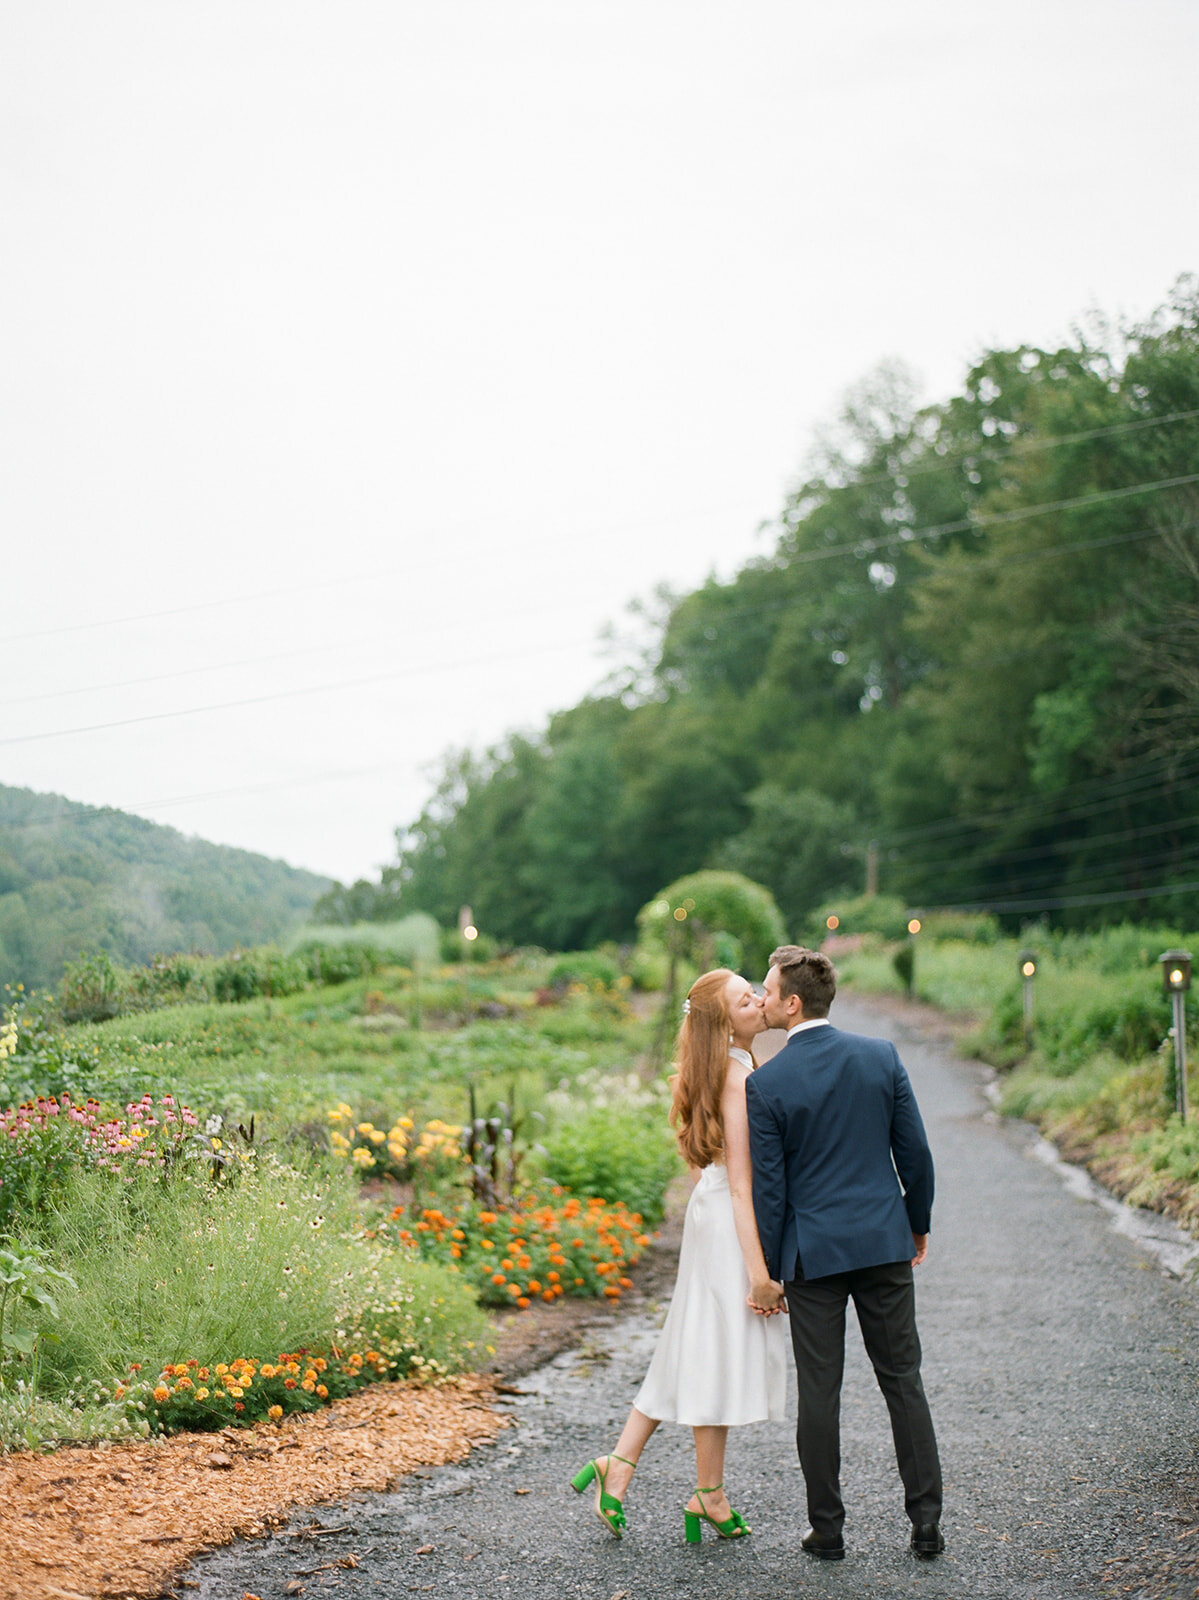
(832, 1121)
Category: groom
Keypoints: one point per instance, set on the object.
(832, 1120)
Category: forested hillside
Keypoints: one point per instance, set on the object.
(975, 644)
(75, 877)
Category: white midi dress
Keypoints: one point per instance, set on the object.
(716, 1363)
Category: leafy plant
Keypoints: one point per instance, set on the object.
(26, 1277)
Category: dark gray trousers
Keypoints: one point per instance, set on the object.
(884, 1298)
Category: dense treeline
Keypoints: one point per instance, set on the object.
(976, 642)
(74, 877)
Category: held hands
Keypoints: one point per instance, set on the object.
(766, 1298)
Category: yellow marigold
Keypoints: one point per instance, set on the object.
(161, 1393)
(366, 1127)
(221, 1369)
(267, 1370)
(201, 1394)
(274, 1412)
(320, 1363)
(322, 1391)
(308, 1385)
(236, 1391)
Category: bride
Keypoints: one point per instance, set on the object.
(718, 1363)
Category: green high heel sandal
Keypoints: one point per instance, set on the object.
(607, 1507)
(733, 1527)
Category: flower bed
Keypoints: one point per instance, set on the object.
(534, 1249)
(187, 1396)
(44, 1139)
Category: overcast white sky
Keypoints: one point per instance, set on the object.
(361, 361)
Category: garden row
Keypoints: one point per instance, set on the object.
(215, 1211)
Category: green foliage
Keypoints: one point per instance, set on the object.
(621, 1155)
(713, 903)
(587, 967)
(26, 1279)
(92, 988)
(405, 940)
(168, 1271)
(878, 914)
(246, 973)
(973, 643)
(76, 877)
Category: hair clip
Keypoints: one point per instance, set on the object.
(687, 1007)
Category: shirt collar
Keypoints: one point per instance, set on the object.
(810, 1022)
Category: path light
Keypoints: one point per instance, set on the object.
(1028, 971)
(832, 923)
(680, 913)
(1176, 980)
(470, 933)
(904, 959)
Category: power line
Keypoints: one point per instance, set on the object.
(987, 519)
(1141, 774)
(1017, 448)
(281, 694)
(1068, 902)
(80, 813)
(322, 583)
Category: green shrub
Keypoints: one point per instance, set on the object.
(867, 913)
(248, 973)
(587, 967)
(92, 988)
(620, 1156)
(712, 903)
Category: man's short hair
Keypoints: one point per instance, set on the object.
(807, 973)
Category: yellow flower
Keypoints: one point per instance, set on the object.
(375, 1136)
(236, 1391)
(201, 1394)
(362, 1157)
(366, 1127)
(274, 1412)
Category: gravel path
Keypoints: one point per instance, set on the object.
(1061, 1368)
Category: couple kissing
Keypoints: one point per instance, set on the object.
(813, 1186)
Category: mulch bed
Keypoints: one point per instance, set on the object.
(121, 1521)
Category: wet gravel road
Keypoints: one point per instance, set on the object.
(1061, 1365)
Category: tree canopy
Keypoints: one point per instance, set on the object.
(971, 648)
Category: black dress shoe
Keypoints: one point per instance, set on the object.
(927, 1540)
(824, 1546)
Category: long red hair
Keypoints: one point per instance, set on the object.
(701, 1068)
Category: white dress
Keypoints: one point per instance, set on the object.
(716, 1363)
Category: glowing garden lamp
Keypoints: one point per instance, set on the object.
(832, 923)
(1028, 971)
(905, 957)
(470, 933)
(1176, 980)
